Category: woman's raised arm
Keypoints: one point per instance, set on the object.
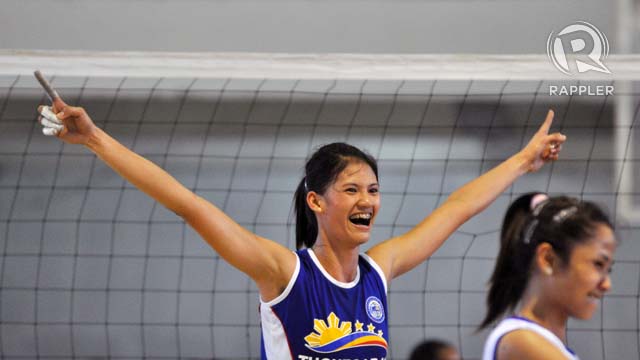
(402, 253)
(266, 262)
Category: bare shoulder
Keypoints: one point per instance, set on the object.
(382, 255)
(525, 344)
(274, 277)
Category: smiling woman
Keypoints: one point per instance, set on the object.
(555, 258)
(344, 172)
(326, 299)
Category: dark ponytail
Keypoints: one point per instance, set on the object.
(511, 273)
(322, 169)
(306, 223)
(560, 221)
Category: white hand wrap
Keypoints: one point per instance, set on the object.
(51, 124)
(49, 131)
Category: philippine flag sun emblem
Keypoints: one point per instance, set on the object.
(335, 335)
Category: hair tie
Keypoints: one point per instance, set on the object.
(306, 188)
(538, 201)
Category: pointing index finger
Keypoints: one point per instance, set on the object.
(53, 95)
(546, 125)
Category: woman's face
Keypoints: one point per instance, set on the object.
(350, 204)
(580, 285)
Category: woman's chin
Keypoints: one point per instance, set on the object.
(362, 238)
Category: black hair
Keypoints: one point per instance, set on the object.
(560, 221)
(429, 350)
(322, 169)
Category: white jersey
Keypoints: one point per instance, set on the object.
(518, 323)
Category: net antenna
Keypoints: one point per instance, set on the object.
(628, 30)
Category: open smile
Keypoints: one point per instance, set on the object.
(595, 296)
(362, 219)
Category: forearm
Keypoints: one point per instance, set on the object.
(479, 193)
(404, 252)
(142, 173)
(268, 263)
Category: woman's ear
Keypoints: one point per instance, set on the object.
(315, 202)
(546, 260)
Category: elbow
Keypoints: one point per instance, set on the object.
(462, 208)
(188, 208)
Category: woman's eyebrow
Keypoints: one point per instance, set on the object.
(356, 185)
(606, 257)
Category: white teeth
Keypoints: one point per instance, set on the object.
(361, 216)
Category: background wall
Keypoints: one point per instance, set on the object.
(352, 26)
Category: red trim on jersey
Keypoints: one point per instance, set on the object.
(285, 332)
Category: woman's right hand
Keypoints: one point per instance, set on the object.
(69, 123)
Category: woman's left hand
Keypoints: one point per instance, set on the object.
(543, 147)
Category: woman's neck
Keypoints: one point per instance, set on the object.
(544, 313)
(341, 264)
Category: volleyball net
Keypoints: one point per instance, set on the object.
(91, 267)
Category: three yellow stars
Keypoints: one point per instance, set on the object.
(370, 328)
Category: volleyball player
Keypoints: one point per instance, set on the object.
(326, 300)
(554, 263)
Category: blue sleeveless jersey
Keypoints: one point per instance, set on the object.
(318, 317)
